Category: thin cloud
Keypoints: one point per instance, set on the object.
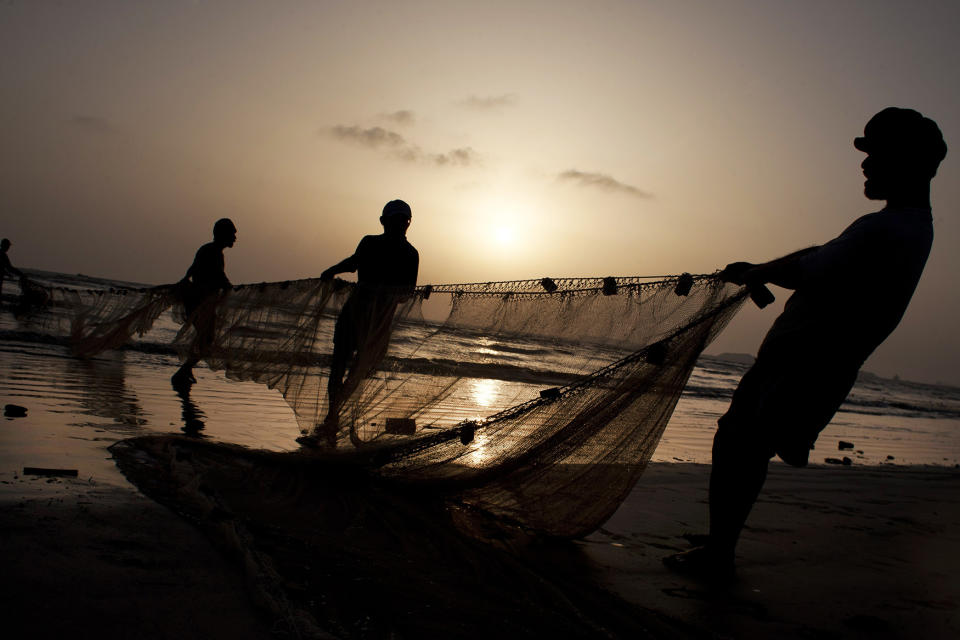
(92, 124)
(602, 181)
(374, 137)
(398, 148)
(404, 117)
(487, 103)
(409, 153)
(462, 157)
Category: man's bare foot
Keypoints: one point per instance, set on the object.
(182, 379)
(702, 563)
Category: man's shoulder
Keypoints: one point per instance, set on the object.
(210, 247)
(208, 252)
(384, 240)
(897, 216)
(891, 222)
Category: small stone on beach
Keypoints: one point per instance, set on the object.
(14, 411)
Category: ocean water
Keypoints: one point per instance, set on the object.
(127, 392)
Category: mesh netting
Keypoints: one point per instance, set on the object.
(538, 401)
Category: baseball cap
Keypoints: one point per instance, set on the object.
(903, 131)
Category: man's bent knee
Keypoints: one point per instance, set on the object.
(737, 440)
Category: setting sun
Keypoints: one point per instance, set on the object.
(503, 235)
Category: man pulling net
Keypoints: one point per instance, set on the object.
(204, 281)
(386, 267)
(849, 294)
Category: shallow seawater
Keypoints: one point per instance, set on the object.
(77, 408)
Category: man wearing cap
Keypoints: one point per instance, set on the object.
(204, 280)
(386, 267)
(5, 266)
(849, 294)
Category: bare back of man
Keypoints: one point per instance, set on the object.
(386, 267)
(204, 280)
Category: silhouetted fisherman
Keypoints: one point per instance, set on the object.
(5, 266)
(386, 267)
(205, 279)
(849, 294)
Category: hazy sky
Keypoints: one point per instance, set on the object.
(530, 138)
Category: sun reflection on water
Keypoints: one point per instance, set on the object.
(484, 393)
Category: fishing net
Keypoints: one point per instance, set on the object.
(537, 401)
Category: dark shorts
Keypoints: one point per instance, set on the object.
(364, 325)
(199, 308)
(346, 333)
(786, 399)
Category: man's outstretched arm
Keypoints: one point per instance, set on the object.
(784, 272)
(348, 265)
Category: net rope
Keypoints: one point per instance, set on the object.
(538, 401)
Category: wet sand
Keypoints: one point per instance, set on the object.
(830, 552)
(84, 560)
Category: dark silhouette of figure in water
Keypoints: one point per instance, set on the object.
(205, 279)
(192, 416)
(386, 267)
(5, 266)
(849, 294)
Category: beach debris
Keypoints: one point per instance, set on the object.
(549, 285)
(847, 461)
(833, 460)
(14, 411)
(467, 432)
(843, 444)
(58, 473)
(401, 426)
(890, 458)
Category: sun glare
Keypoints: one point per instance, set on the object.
(503, 236)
